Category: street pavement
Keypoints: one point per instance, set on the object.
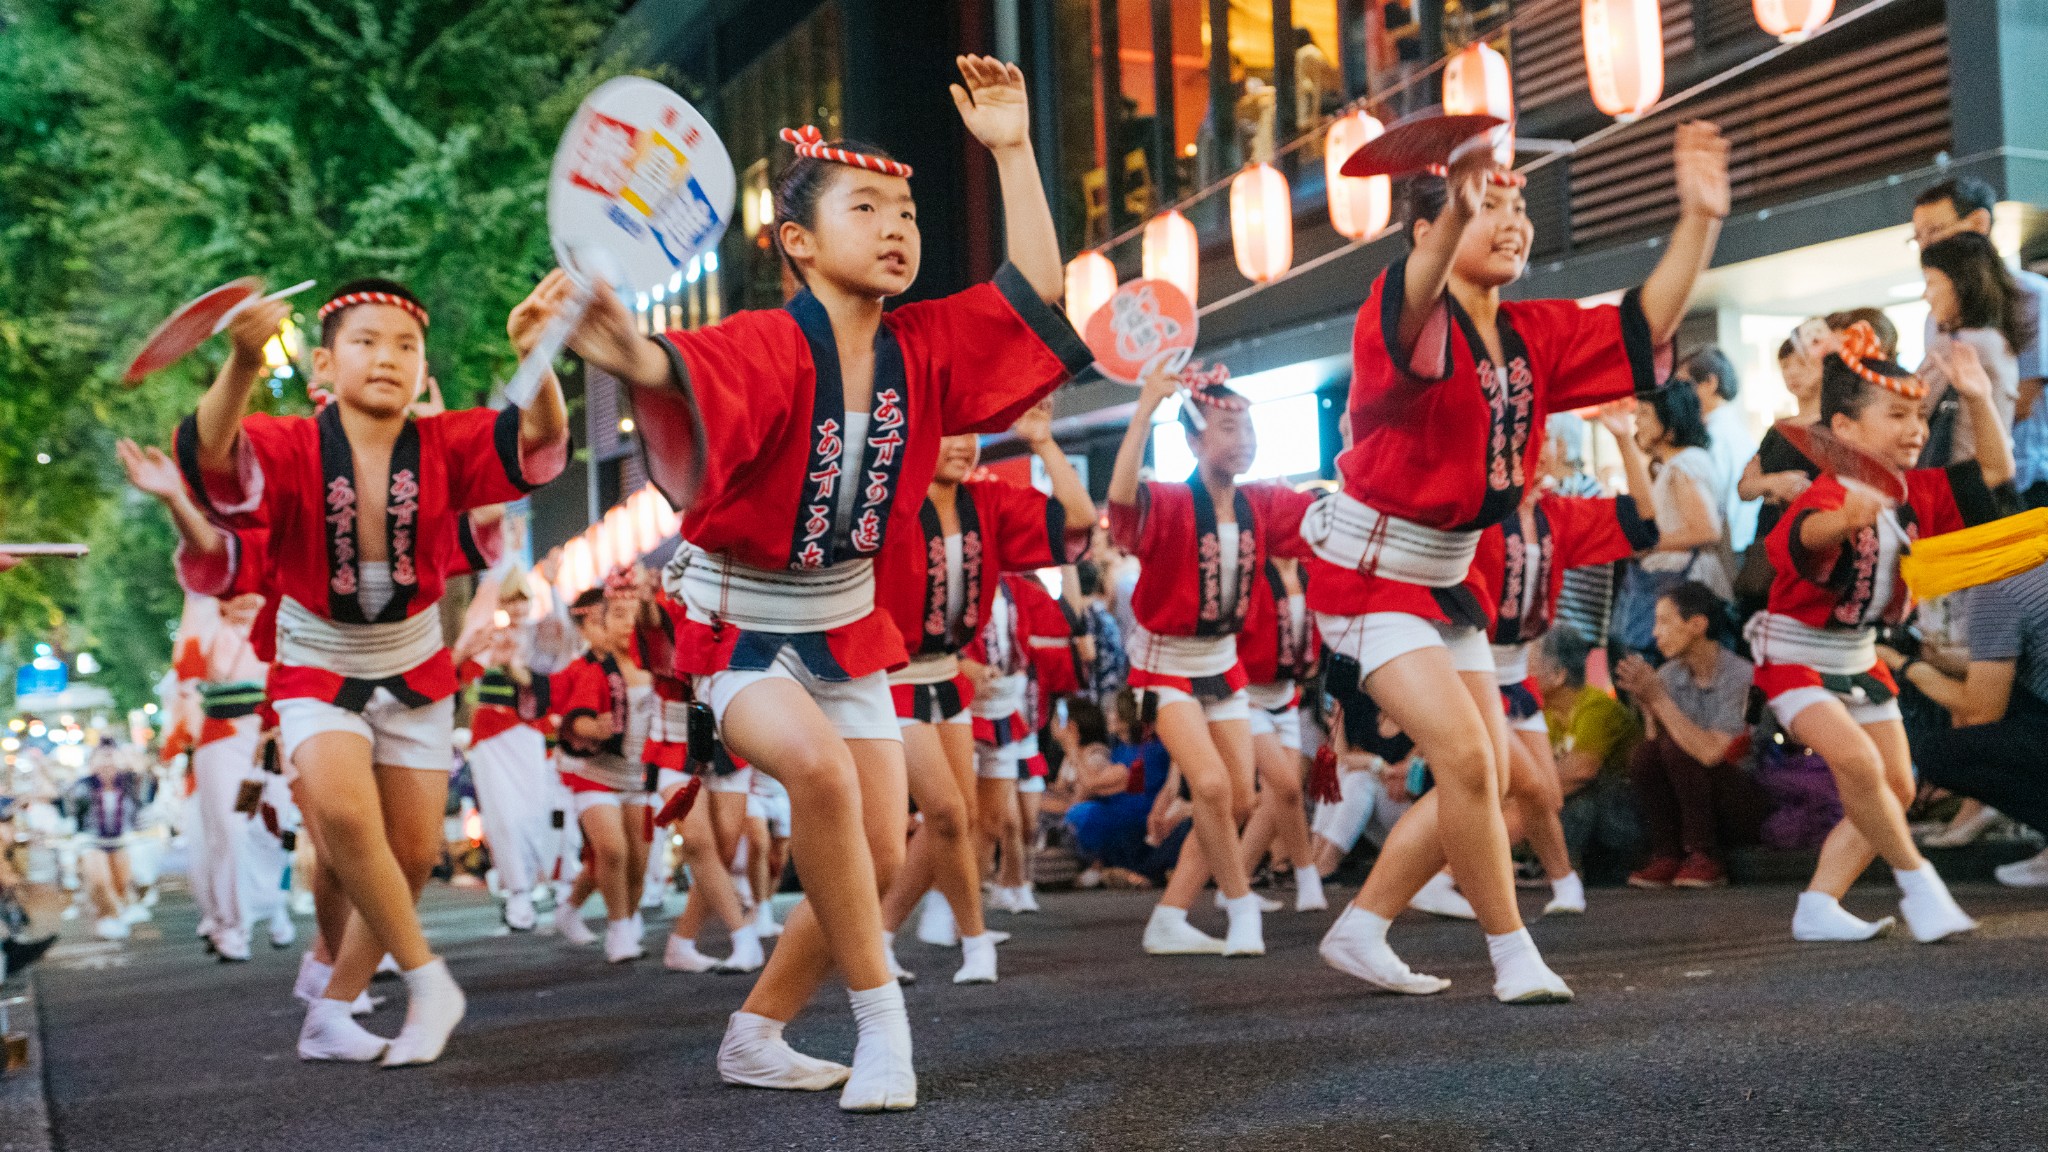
(1699, 1025)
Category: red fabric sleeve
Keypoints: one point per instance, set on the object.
(483, 459)
(994, 351)
(1591, 530)
(1587, 356)
(1931, 493)
(1133, 526)
(1027, 527)
(270, 455)
(1280, 509)
(1787, 554)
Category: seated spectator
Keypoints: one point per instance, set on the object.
(1692, 785)
(2000, 707)
(1591, 736)
(1113, 792)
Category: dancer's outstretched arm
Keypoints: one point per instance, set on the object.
(993, 105)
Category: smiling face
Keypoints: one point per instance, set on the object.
(957, 457)
(864, 237)
(1228, 445)
(1942, 301)
(1889, 427)
(376, 361)
(1495, 246)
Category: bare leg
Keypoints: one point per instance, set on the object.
(940, 760)
(1537, 798)
(759, 847)
(852, 815)
(1463, 736)
(1873, 801)
(711, 889)
(1219, 783)
(405, 827)
(347, 801)
(330, 904)
(604, 830)
(996, 812)
(1281, 816)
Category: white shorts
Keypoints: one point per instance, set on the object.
(859, 709)
(1377, 638)
(740, 781)
(1534, 722)
(1786, 705)
(1005, 762)
(1236, 706)
(1030, 784)
(402, 737)
(1273, 712)
(773, 809)
(585, 801)
(964, 718)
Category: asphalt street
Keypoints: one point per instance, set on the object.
(1699, 1025)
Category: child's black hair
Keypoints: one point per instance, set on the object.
(1422, 198)
(1222, 391)
(1843, 391)
(1090, 725)
(330, 324)
(803, 184)
(586, 600)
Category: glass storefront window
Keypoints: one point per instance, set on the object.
(1286, 415)
(796, 82)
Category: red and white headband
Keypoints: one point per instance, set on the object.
(1858, 343)
(808, 141)
(1210, 387)
(409, 307)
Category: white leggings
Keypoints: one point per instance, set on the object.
(217, 870)
(515, 796)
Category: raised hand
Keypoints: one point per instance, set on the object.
(1965, 371)
(1860, 507)
(149, 470)
(1619, 418)
(1034, 427)
(992, 102)
(531, 315)
(1467, 182)
(1699, 162)
(253, 327)
(431, 404)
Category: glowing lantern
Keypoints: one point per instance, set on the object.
(1476, 83)
(1261, 223)
(618, 528)
(1359, 206)
(1624, 42)
(1792, 20)
(1172, 252)
(575, 571)
(1091, 281)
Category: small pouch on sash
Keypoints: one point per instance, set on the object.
(703, 734)
(249, 797)
(272, 759)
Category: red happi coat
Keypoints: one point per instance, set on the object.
(1834, 588)
(1448, 438)
(1267, 646)
(1004, 528)
(295, 479)
(491, 719)
(654, 648)
(1172, 531)
(591, 686)
(758, 400)
(1559, 533)
(1041, 642)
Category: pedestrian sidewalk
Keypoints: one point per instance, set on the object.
(24, 1113)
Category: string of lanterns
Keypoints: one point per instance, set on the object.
(633, 528)
(1624, 50)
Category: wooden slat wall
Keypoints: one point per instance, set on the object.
(1838, 118)
(1550, 63)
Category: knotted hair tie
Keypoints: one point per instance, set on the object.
(1210, 387)
(808, 141)
(320, 397)
(1860, 347)
(619, 584)
(409, 307)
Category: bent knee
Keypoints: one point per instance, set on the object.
(947, 821)
(824, 775)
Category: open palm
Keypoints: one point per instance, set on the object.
(992, 103)
(149, 469)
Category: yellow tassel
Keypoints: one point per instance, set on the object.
(1989, 552)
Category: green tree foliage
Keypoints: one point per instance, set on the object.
(150, 149)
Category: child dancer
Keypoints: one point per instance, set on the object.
(1449, 383)
(941, 583)
(1278, 648)
(1836, 557)
(1200, 543)
(362, 686)
(798, 439)
(604, 705)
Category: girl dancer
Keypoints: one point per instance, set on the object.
(799, 439)
(1449, 382)
(942, 583)
(1200, 544)
(1836, 555)
(604, 704)
(362, 686)
(1278, 648)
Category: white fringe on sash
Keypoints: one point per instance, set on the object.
(784, 601)
(1189, 656)
(357, 651)
(1775, 639)
(1352, 534)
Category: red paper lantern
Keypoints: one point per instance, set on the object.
(1359, 206)
(1261, 223)
(1792, 20)
(1091, 281)
(1476, 82)
(1624, 42)
(1172, 252)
